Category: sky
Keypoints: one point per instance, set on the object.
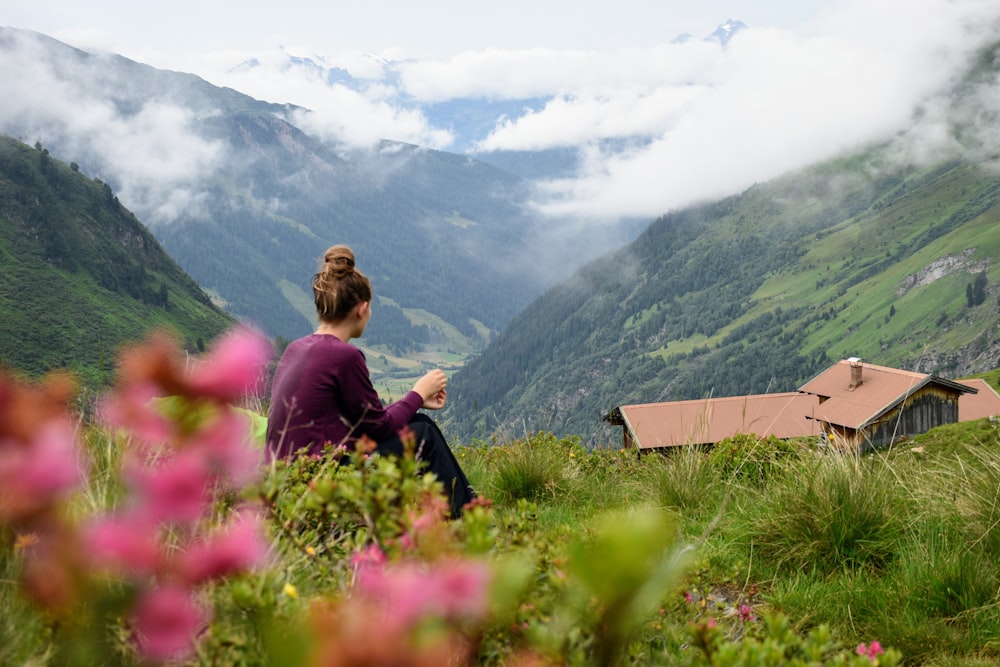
(430, 29)
(808, 79)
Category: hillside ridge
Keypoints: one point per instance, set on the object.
(81, 275)
(756, 293)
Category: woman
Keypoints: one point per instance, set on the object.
(322, 392)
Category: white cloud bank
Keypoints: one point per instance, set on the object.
(711, 121)
(152, 158)
(773, 101)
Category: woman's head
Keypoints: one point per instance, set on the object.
(339, 287)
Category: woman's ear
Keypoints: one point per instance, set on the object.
(363, 309)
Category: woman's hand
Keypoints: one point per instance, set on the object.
(437, 401)
(432, 388)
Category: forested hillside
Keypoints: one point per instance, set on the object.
(756, 293)
(80, 276)
(887, 252)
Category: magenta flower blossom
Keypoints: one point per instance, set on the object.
(177, 488)
(746, 614)
(239, 547)
(410, 592)
(370, 556)
(134, 411)
(871, 650)
(127, 542)
(463, 588)
(166, 622)
(234, 367)
(224, 441)
(36, 474)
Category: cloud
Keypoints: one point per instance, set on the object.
(580, 120)
(152, 157)
(771, 102)
(520, 74)
(332, 111)
(698, 121)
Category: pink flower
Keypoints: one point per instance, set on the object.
(36, 474)
(746, 614)
(177, 488)
(166, 622)
(234, 367)
(871, 650)
(239, 547)
(370, 556)
(225, 442)
(410, 592)
(462, 589)
(688, 598)
(134, 410)
(126, 541)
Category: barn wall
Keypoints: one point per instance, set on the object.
(928, 408)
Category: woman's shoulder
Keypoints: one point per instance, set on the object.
(325, 345)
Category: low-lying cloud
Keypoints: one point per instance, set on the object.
(656, 127)
(152, 157)
(712, 120)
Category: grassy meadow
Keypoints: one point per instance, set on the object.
(758, 552)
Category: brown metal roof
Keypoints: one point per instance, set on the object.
(984, 403)
(880, 390)
(710, 420)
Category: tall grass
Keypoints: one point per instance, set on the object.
(533, 469)
(683, 481)
(829, 512)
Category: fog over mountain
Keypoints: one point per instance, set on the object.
(636, 131)
(246, 202)
(628, 132)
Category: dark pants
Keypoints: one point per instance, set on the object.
(433, 450)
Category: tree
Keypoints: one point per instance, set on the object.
(979, 288)
(975, 292)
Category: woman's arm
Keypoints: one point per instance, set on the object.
(365, 407)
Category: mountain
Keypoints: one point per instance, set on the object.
(468, 120)
(246, 201)
(752, 294)
(883, 254)
(725, 32)
(81, 275)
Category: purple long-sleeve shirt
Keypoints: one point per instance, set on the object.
(322, 393)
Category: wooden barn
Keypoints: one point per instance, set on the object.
(707, 421)
(851, 404)
(866, 406)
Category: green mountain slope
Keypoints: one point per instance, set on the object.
(888, 252)
(80, 276)
(756, 293)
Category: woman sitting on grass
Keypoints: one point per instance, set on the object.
(322, 391)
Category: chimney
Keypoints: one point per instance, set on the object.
(856, 379)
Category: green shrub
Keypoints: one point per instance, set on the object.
(750, 459)
(835, 512)
(535, 468)
(683, 480)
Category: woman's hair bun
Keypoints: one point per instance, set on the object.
(339, 258)
(338, 287)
